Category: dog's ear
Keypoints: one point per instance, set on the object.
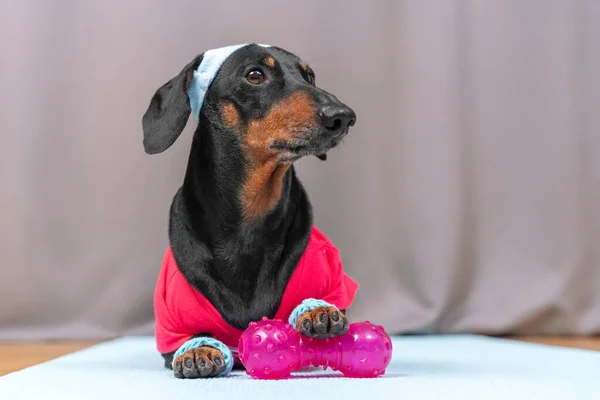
(322, 157)
(168, 111)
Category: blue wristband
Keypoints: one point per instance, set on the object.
(306, 305)
(207, 341)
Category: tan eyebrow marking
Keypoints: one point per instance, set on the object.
(270, 61)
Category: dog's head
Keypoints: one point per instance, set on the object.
(264, 98)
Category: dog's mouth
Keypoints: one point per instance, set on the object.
(317, 145)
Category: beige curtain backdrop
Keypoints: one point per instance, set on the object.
(467, 198)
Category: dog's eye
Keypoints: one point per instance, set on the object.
(256, 77)
(311, 77)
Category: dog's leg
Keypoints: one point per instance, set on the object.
(168, 359)
(319, 319)
(202, 357)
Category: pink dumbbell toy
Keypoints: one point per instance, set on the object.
(272, 349)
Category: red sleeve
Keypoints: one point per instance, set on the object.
(169, 335)
(342, 288)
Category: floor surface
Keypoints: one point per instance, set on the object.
(16, 356)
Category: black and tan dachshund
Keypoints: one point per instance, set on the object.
(241, 221)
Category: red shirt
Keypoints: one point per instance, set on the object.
(182, 311)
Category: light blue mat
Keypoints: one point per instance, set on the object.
(437, 367)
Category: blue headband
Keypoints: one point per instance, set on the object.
(206, 72)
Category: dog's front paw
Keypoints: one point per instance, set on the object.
(322, 322)
(201, 362)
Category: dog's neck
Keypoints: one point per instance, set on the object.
(227, 191)
(263, 187)
(241, 264)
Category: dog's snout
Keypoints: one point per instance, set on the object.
(336, 117)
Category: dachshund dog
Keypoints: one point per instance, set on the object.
(242, 241)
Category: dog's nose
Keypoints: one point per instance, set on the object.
(336, 117)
